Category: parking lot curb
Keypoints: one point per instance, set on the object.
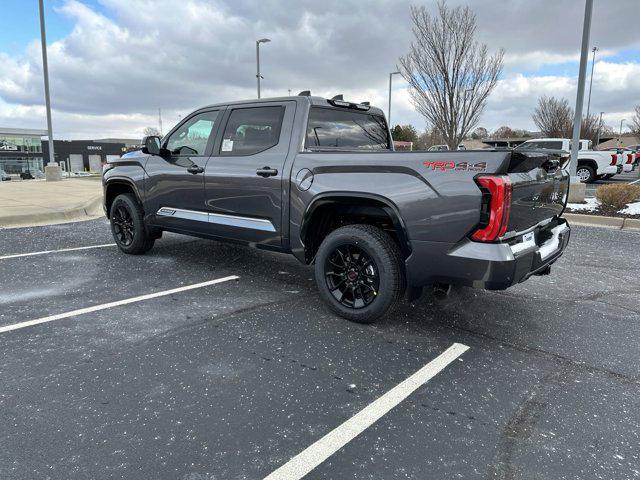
(600, 221)
(88, 211)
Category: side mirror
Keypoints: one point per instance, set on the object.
(151, 145)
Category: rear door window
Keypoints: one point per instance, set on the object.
(252, 130)
(330, 128)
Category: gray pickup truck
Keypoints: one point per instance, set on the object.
(318, 178)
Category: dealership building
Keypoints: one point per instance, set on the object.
(23, 149)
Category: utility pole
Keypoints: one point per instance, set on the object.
(599, 128)
(47, 98)
(258, 76)
(593, 64)
(389, 110)
(577, 189)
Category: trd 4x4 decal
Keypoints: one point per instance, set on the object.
(460, 166)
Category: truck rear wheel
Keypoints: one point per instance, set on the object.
(359, 272)
(127, 225)
(586, 173)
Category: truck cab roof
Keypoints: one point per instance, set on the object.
(304, 100)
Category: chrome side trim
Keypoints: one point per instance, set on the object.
(181, 213)
(242, 222)
(218, 218)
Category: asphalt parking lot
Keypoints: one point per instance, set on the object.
(232, 380)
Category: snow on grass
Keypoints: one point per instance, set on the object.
(632, 209)
(590, 205)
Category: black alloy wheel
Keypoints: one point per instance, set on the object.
(123, 228)
(127, 225)
(359, 272)
(352, 276)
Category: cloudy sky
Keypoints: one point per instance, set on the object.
(113, 63)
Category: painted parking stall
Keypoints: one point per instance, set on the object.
(146, 369)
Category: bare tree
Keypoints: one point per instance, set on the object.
(635, 121)
(589, 128)
(504, 132)
(554, 117)
(151, 132)
(450, 75)
(479, 133)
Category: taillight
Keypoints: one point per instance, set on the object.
(496, 207)
(614, 158)
(629, 158)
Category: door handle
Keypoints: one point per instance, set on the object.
(267, 172)
(195, 169)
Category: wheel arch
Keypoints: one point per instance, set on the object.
(325, 212)
(589, 162)
(117, 186)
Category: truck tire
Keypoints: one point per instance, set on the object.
(360, 273)
(586, 173)
(127, 225)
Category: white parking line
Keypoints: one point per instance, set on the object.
(44, 252)
(118, 303)
(314, 455)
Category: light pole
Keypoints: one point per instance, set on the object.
(258, 77)
(389, 111)
(599, 127)
(620, 134)
(593, 63)
(578, 188)
(47, 98)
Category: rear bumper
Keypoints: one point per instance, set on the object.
(609, 170)
(492, 266)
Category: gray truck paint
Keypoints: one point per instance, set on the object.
(435, 209)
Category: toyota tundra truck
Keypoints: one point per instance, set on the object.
(318, 178)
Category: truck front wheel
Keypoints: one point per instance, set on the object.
(127, 225)
(360, 273)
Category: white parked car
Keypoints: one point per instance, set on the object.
(444, 148)
(592, 164)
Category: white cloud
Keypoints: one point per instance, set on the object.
(110, 74)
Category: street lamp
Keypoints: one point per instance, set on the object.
(593, 63)
(258, 77)
(620, 135)
(389, 111)
(577, 189)
(47, 98)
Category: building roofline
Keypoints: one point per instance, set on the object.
(23, 131)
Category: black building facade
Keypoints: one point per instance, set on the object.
(83, 155)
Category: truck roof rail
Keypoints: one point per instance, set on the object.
(305, 93)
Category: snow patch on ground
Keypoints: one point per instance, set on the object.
(591, 205)
(632, 209)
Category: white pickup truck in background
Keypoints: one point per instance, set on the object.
(592, 164)
(630, 157)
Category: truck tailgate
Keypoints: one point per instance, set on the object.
(540, 187)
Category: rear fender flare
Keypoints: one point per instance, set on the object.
(341, 197)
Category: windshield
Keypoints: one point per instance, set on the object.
(330, 128)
